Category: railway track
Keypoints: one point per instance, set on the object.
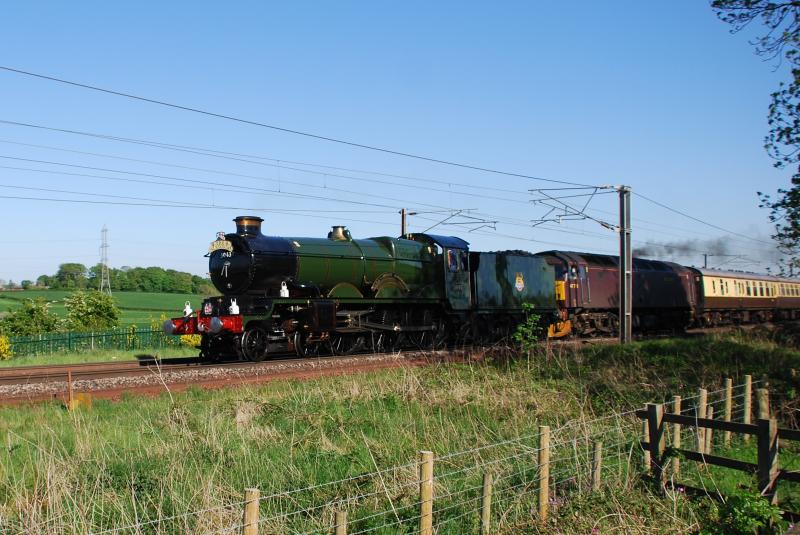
(154, 376)
(149, 366)
(114, 379)
(93, 370)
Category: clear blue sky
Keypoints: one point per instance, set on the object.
(655, 95)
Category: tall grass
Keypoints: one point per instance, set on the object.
(142, 459)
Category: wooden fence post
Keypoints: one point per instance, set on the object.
(341, 523)
(646, 438)
(728, 409)
(251, 501)
(768, 458)
(762, 395)
(702, 405)
(676, 436)
(544, 472)
(709, 431)
(426, 493)
(748, 402)
(70, 391)
(486, 504)
(655, 419)
(597, 465)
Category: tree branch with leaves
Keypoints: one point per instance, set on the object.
(780, 43)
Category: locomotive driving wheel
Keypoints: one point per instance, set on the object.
(255, 344)
(347, 344)
(305, 346)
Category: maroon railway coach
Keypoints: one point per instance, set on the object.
(587, 286)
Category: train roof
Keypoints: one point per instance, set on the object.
(742, 275)
(594, 259)
(442, 241)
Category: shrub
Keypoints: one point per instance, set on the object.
(191, 340)
(5, 348)
(743, 514)
(528, 332)
(91, 311)
(34, 317)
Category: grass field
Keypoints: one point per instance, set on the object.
(143, 459)
(96, 356)
(137, 308)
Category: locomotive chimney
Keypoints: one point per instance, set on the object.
(339, 233)
(248, 225)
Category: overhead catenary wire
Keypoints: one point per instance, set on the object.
(283, 129)
(210, 152)
(217, 184)
(218, 171)
(236, 156)
(698, 220)
(249, 158)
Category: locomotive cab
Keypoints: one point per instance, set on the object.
(454, 267)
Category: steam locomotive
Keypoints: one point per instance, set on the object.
(341, 295)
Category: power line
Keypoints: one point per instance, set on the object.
(214, 185)
(243, 189)
(209, 152)
(216, 171)
(285, 130)
(236, 156)
(175, 205)
(684, 214)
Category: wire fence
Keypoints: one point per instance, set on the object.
(528, 476)
(123, 339)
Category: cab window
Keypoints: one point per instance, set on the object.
(452, 260)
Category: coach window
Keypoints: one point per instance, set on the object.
(761, 289)
(713, 287)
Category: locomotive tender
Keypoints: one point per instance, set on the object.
(341, 295)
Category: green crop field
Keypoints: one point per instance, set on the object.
(179, 463)
(137, 307)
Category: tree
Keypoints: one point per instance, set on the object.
(34, 317)
(26, 284)
(91, 311)
(70, 276)
(781, 20)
